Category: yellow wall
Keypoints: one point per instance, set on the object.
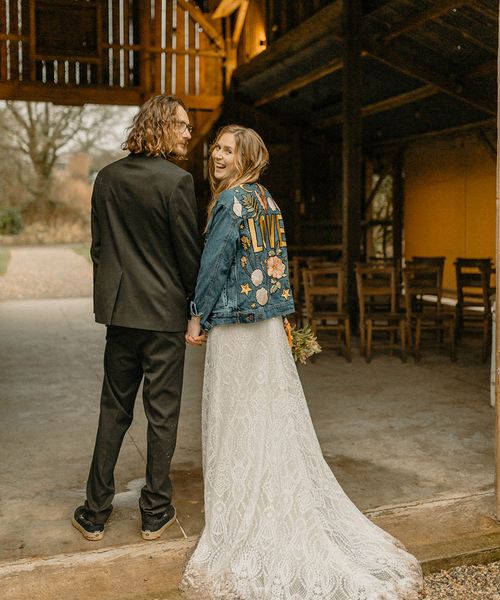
(449, 201)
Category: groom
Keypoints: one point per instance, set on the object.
(145, 251)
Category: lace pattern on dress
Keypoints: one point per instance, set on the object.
(278, 526)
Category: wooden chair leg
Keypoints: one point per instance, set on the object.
(409, 336)
(362, 340)
(402, 333)
(453, 354)
(368, 349)
(418, 333)
(347, 333)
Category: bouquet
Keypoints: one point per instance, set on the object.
(303, 342)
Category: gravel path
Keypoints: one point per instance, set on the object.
(46, 272)
(475, 582)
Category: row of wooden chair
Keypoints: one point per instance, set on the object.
(378, 289)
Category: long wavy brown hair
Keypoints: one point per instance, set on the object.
(152, 130)
(250, 159)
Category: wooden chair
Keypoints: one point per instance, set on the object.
(473, 308)
(296, 266)
(324, 304)
(426, 314)
(430, 261)
(378, 307)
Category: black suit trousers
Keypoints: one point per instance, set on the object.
(130, 356)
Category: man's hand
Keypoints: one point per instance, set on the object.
(194, 335)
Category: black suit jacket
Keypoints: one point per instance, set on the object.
(145, 244)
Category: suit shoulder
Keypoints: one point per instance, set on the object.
(175, 170)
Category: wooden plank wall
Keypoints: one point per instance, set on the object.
(142, 47)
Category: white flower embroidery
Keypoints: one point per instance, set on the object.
(262, 296)
(257, 277)
(237, 208)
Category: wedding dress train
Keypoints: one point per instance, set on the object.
(278, 526)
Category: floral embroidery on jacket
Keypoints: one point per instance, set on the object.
(275, 267)
(245, 242)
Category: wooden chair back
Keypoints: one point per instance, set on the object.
(377, 288)
(421, 279)
(324, 290)
(430, 261)
(473, 283)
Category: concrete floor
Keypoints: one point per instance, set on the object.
(401, 438)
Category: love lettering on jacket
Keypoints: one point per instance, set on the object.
(266, 228)
(244, 268)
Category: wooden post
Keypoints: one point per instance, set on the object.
(496, 337)
(352, 153)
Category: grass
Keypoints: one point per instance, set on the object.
(83, 250)
(4, 260)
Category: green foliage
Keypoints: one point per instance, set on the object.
(11, 220)
(251, 204)
(4, 260)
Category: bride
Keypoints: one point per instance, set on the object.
(278, 526)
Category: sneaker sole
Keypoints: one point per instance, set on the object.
(91, 537)
(154, 535)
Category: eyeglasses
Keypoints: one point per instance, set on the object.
(182, 126)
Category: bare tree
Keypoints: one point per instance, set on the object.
(36, 134)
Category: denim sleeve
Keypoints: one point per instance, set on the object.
(216, 260)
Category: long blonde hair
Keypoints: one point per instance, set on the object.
(151, 131)
(250, 159)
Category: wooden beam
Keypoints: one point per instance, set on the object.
(77, 96)
(225, 8)
(14, 37)
(482, 70)
(490, 148)
(484, 10)
(146, 64)
(352, 152)
(302, 81)
(469, 38)
(197, 15)
(203, 130)
(383, 105)
(393, 58)
(409, 23)
(240, 21)
(455, 130)
(168, 50)
(318, 26)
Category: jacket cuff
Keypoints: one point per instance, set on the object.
(194, 310)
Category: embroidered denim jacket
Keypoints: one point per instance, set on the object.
(243, 275)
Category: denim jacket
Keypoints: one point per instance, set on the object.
(243, 275)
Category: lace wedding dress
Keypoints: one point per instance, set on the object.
(278, 526)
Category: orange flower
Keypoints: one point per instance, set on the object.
(275, 267)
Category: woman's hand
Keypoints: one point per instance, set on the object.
(194, 335)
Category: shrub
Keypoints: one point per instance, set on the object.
(11, 220)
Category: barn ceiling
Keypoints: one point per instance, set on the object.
(428, 65)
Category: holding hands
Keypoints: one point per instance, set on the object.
(194, 334)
